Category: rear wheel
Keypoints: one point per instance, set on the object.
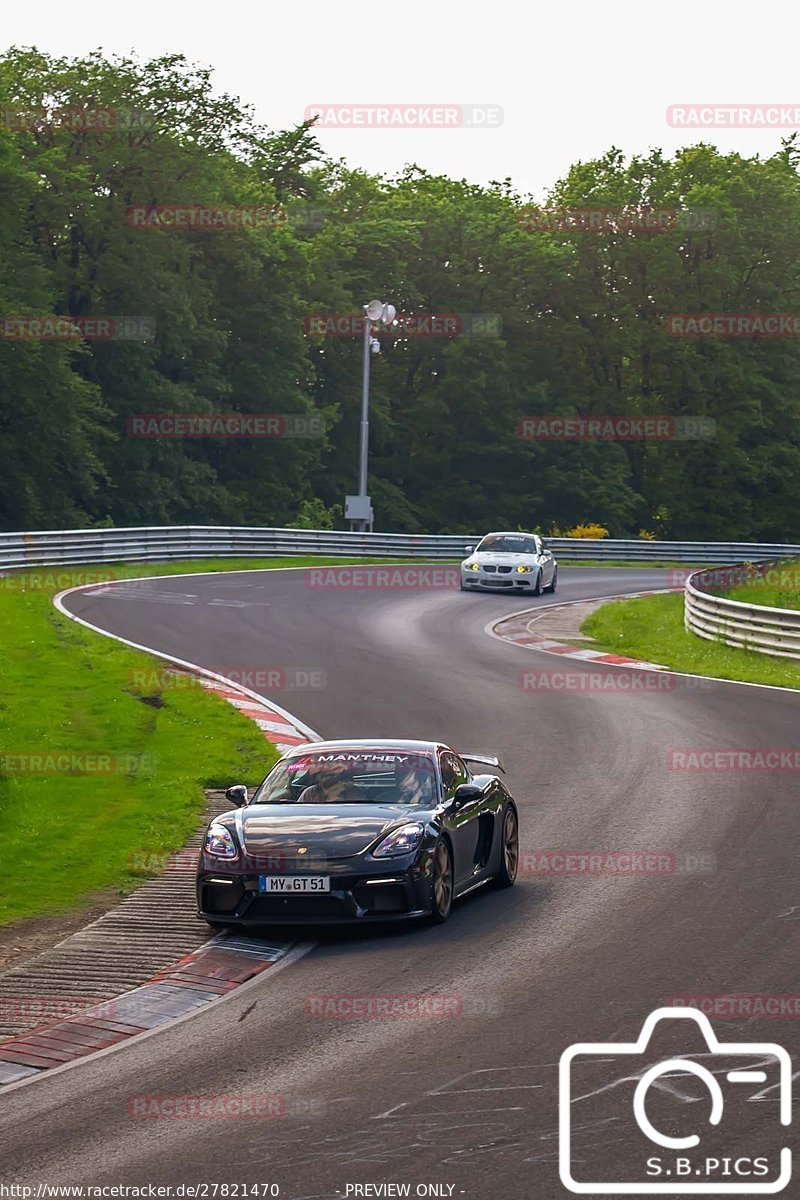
(509, 850)
(441, 883)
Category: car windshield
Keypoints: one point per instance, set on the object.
(508, 543)
(351, 777)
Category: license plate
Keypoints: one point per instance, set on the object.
(292, 884)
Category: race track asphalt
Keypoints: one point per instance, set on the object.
(469, 1102)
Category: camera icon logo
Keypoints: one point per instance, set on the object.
(691, 1164)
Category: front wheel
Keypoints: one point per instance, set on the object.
(553, 582)
(509, 850)
(537, 587)
(441, 883)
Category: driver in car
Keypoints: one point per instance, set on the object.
(331, 787)
(414, 787)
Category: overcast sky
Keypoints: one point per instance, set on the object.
(571, 78)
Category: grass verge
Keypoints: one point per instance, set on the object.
(652, 628)
(146, 752)
(619, 562)
(778, 588)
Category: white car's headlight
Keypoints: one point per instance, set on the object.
(401, 841)
(523, 570)
(219, 842)
(472, 566)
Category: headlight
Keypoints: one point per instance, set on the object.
(524, 570)
(401, 841)
(472, 566)
(219, 842)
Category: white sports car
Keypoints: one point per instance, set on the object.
(510, 561)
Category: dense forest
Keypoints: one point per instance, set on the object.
(505, 313)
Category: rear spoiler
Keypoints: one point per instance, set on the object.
(488, 760)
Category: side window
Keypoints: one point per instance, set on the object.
(454, 772)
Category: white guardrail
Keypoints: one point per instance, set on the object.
(164, 543)
(748, 626)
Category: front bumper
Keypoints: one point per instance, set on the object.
(361, 892)
(497, 581)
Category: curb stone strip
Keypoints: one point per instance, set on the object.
(530, 643)
(190, 983)
(217, 967)
(517, 630)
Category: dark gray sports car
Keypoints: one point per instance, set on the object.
(354, 831)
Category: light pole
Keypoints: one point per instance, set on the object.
(359, 508)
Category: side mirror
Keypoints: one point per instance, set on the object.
(237, 794)
(468, 549)
(466, 793)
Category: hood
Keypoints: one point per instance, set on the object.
(325, 830)
(507, 558)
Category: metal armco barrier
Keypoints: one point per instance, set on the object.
(165, 543)
(748, 626)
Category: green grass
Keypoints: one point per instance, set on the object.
(66, 837)
(652, 628)
(618, 562)
(779, 588)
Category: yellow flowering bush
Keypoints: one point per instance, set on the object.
(589, 530)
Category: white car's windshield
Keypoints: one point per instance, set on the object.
(507, 543)
(351, 778)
